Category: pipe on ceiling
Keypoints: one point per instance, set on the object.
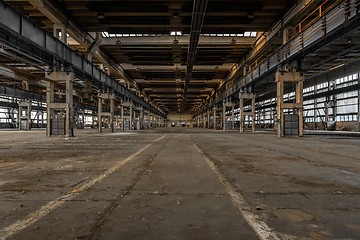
(198, 15)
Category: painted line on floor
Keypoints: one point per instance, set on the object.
(54, 204)
(263, 231)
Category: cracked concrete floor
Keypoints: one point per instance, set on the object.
(178, 183)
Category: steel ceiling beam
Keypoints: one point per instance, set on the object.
(198, 15)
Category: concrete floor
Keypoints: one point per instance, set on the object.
(178, 183)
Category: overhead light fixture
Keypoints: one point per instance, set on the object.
(349, 40)
(250, 15)
(100, 16)
(338, 66)
(175, 15)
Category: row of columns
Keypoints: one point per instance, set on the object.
(131, 117)
(60, 115)
(290, 123)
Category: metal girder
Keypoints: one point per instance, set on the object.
(51, 10)
(17, 93)
(337, 26)
(20, 34)
(181, 40)
(198, 16)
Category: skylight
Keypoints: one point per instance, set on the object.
(177, 33)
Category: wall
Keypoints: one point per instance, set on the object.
(179, 119)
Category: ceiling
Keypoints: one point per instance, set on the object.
(150, 40)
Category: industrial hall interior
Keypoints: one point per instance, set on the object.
(180, 119)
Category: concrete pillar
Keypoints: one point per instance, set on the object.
(24, 106)
(122, 117)
(233, 118)
(253, 125)
(99, 118)
(214, 118)
(131, 117)
(60, 77)
(315, 109)
(69, 124)
(110, 97)
(241, 115)
(224, 116)
(289, 77)
(326, 115)
(208, 119)
(49, 111)
(83, 119)
(112, 107)
(251, 114)
(358, 113)
(142, 120)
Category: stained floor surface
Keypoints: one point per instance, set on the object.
(174, 184)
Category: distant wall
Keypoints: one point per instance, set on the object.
(179, 119)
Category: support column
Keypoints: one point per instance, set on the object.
(208, 119)
(69, 123)
(110, 113)
(224, 116)
(253, 125)
(127, 118)
(49, 111)
(241, 114)
(251, 114)
(289, 77)
(214, 118)
(83, 119)
(58, 122)
(142, 120)
(358, 113)
(233, 118)
(24, 121)
(122, 117)
(226, 105)
(315, 109)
